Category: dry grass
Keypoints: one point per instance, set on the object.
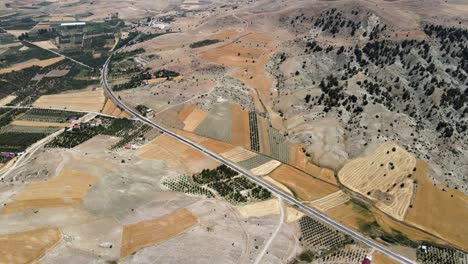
(192, 160)
(6, 100)
(38, 124)
(438, 212)
(26, 247)
(298, 159)
(194, 119)
(381, 177)
(259, 209)
(266, 168)
(240, 127)
(330, 201)
(81, 101)
(292, 214)
(150, 232)
(304, 186)
(238, 154)
(67, 189)
(30, 63)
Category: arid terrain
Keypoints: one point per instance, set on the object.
(355, 110)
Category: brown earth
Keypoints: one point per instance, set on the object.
(304, 186)
(154, 231)
(193, 160)
(379, 258)
(298, 159)
(26, 247)
(240, 127)
(437, 211)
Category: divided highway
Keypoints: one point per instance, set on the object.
(247, 174)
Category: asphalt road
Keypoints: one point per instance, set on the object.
(247, 174)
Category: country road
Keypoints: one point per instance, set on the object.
(286, 197)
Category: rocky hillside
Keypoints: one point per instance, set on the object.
(349, 68)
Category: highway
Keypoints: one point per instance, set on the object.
(318, 215)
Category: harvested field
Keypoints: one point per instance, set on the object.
(259, 209)
(298, 159)
(150, 232)
(254, 162)
(193, 161)
(218, 123)
(66, 189)
(436, 211)
(402, 196)
(240, 127)
(45, 44)
(278, 185)
(330, 201)
(194, 119)
(6, 100)
(238, 154)
(29, 63)
(38, 124)
(377, 174)
(81, 101)
(302, 185)
(26, 247)
(266, 168)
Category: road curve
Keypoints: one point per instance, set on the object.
(355, 235)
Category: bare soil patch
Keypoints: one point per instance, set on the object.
(304, 186)
(26, 247)
(150, 232)
(45, 44)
